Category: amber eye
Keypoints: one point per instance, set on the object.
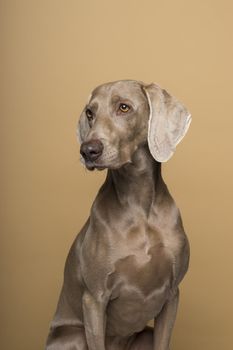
(89, 114)
(124, 107)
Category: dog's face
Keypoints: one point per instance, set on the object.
(121, 116)
(117, 122)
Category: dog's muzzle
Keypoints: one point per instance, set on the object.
(91, 150)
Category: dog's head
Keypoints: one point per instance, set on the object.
(121, 116)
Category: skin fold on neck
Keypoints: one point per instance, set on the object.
(138, 182)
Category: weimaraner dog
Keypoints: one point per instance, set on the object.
(125, 266)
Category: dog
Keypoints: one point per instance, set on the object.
(125, 266)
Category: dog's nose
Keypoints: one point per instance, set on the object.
(91, 150)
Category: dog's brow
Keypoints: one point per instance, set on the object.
(93, 105)
(118, 98)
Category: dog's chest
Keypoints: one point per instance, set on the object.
(135, 258)
(139, 282)
(142, 263)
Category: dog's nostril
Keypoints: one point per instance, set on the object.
(91, 150)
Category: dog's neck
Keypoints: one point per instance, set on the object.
(139, 181)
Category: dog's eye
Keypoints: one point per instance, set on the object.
(89, 114)
(124, 108)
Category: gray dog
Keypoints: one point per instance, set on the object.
(125, 266)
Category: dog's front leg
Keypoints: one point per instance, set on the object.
(94, 321)
(164, 323)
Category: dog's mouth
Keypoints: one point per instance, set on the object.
(101, 163)
(92, 166)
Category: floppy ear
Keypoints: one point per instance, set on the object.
(169, 121)
(83, 126)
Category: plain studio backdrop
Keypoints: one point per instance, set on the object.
(53, 53)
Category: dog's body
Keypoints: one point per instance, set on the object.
(125, 265)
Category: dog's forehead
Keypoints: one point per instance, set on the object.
(128, 89)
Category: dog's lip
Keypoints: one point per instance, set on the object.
(92, 165)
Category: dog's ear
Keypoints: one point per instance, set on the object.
(169, 121)
(83, 126)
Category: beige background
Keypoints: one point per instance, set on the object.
(53, 53)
